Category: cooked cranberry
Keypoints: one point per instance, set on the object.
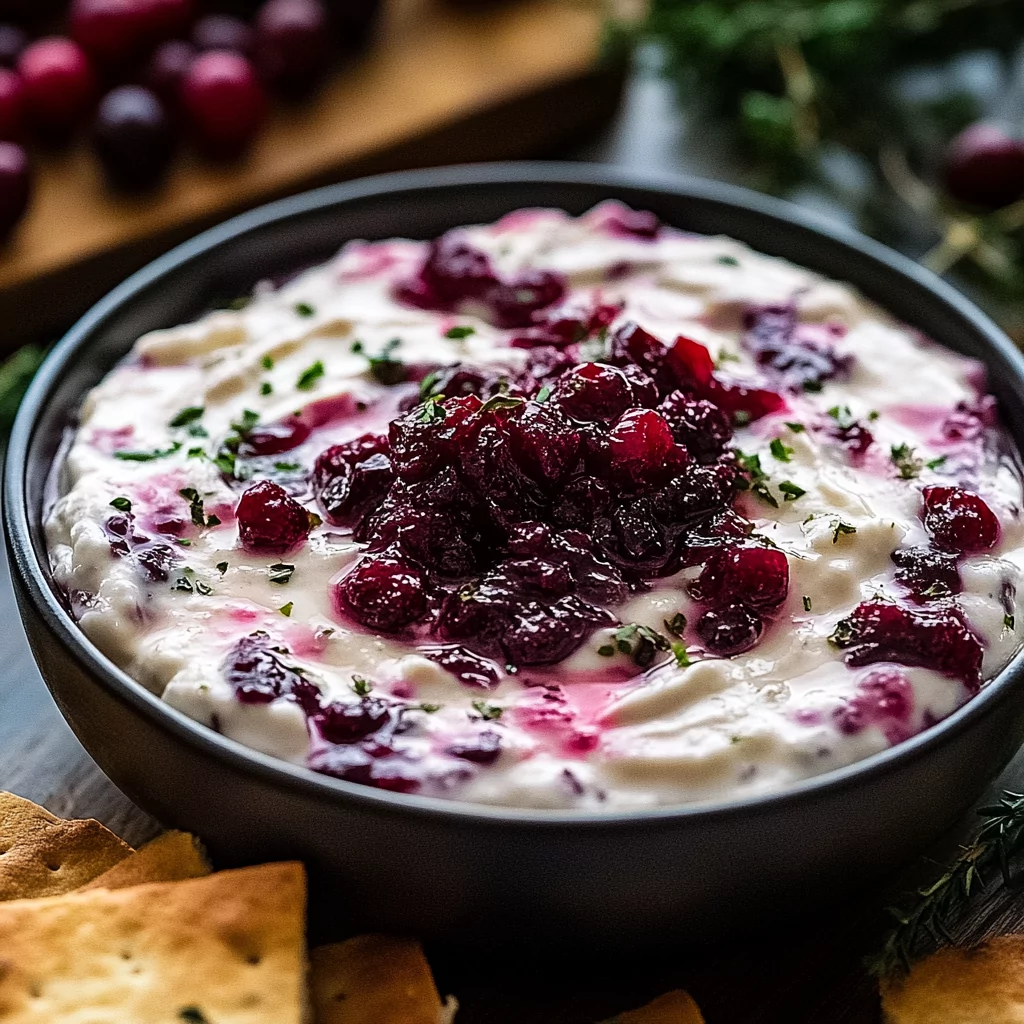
(927, 573)
(458, 381)
(697, 424)
(351, 478)
(546, 635)
(594, 391)
(643, 451)
(959, 520)
(513, 303)
(631, 344)
(565, 325)
(854, 437)
(432, 435)
(770, 333)
(383, 593)
(380, 767)
(274, 438)
(542, 442)
(455, 271)
(156, 561)
(270, 521)
(740, 401)
(730, 630)
(937, 638)
(633, 224)
(884, 698)
(751, 575)
(256, 672)
(350, 722)
(467, 667)
(581, 500)
(432, 537)
(484, 748)
(692, 363)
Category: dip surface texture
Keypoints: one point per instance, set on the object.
(556, 512)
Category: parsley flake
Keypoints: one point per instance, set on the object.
(543, 395)
(676, 625)
(1009, 622)
(904, 459)
(159, 453)
(187, 415)
(281, 572)
(386, 369)
(287, 467)
(286, 609)
(266, 388)
(308, 378)
(797, 428)
(841, 529)
(680, 653)
(779, 451)
(488, 712)
(807, 603)
(756, 478)
(361, 686)
(934, 464)
(791, 491)
(842, 415)
(267, 362)
(458, 333)
(728, 261)
(641, 643)
(121, 504)
(304, 309)
(222, 567)
(191, 495)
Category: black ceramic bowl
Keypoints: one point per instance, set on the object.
(485, 875)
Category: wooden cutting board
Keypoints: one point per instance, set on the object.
(439, 85)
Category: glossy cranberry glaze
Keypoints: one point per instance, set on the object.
(155, 560)
(270, 521)
(959, 520)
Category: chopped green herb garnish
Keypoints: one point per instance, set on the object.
(676, 625)
(496, 402)
(287, 467)
(842, 415)
(542, 395)
(431, 411)
(780, 451)
(790, 491)
(267, 363)
(606, 650)
(427, 385)
(428, 708)
(681, 655)
(841, 529)
(361, 686)
(385, 368)
(756, 478)
(203, 588)
(183, 541)
(121, 504)
(1009, 622)
(725, 356)
(934, 464)
(813, 386)
(936, 590)
(159, 453)
(183, 583)
(286, 609)
(197, 453)
(728, 261)
(357, 347)
(304, 309)
(222, 567)
(458, 333)
(904, 459)
(192, 1015)
(741, 417)
(281, 572)
(191, 495)
(797, 428)
(266, 388)
(488, 712)
(308, 378)
(807, 603)
(246, 423)
(873, 415)
(187, 415)
(641, 643)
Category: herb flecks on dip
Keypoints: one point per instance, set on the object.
(584, 513)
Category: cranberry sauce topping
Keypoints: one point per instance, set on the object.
(270, 521)
(256, 669)
(154, 560)
(885, 699)
(771, 334)
(937, 638)
(510, 524)
(959, 521)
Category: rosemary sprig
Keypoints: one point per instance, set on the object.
(926, 922)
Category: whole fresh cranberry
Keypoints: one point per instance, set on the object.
(166, 70)
(12, 106)
(985, 167)
(164, 19)
(383, 593)
(959, 520)
(731, 630)
(15, 185)
(133, 137)
(292, 43)
(223, 101)
(12, 41)
(222, 32)
(755, 576)
(350, 722)
(270, 521)
(110, 31)
(59, 83)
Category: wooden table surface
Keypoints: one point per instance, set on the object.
(807, 973)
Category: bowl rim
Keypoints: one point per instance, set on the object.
(35, 577)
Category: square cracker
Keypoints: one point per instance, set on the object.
(981, 985)
(226, 949)
(171, 857)
(42, 855)
(676, 1007)
(374, 979)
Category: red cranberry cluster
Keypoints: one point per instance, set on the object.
(937, 637)
(155, 560)
(144, 71)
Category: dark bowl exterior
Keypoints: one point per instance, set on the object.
(493, 877)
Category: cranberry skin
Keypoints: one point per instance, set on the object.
(270, 521)
(274, 438)
(222, 32)
(927, 573)
(697, 424)
(133, 137)
(482, 749)
(350, 479)
(642, 449)
(755, 576)
(255, 671)
(985, 167)
(349, 723)
(454, 271)
(15, 185)
(59, 82)
(12, 105)
(292, 44)
(593, 392)
(959, 520)
(469, 668)
(729, 631)
(936, 638)
(166, 70)
(165, 19)
(513, 303)
(884, 698)
(224, 102)
(383, 593)
(12, 41)
(110, 31)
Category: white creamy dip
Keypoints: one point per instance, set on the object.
(596, 730)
